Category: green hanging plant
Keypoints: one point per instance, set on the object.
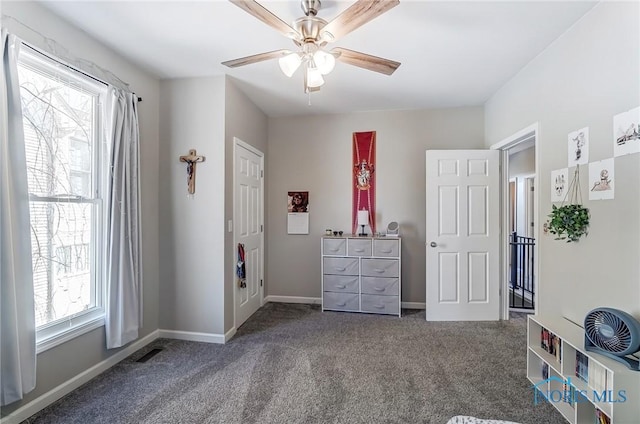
(570, 221)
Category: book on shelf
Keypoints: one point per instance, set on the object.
(582, 366)
(609, 381)
(545, 370)
(597, 377)
(601, 417)
(569, 394)
(551, 343)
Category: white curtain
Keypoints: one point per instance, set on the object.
(123, 267)
(17, 316)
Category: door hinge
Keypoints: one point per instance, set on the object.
(261, 229)
(262, 173)
(260, 283)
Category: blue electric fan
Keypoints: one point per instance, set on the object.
(613, 333)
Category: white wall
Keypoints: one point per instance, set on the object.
(522, 163)
(521, 206)
(197, 254)
(244, 120)
(314, 153)
(584, 78)
(192, 237)
(54, 366)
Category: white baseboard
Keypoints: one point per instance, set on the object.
(194, 336)
(318, 301)
(414, 305)
(294, 299)
(229, 334)
(70, 385)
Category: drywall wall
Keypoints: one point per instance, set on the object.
(314, 154)
(583, 79)
(522, 163)
(245, 121)
(31, 22)
(192, 239)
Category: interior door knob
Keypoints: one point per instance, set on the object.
(433, 244)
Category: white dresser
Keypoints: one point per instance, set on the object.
(361, 274)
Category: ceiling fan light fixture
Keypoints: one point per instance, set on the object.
(325, 62)
(311, 34)
(289, 63)
(314, 77)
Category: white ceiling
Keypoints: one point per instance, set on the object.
(453, 53)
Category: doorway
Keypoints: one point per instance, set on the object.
(519, 221)
(248, 230)
(522, 241)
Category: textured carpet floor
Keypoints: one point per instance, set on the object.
(295, 364)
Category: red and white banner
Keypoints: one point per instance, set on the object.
(364, 178)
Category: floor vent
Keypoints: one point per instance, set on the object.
(149, 355)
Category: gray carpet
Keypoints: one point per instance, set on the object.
(296, 364)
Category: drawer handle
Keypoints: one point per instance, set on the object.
(378, 306)
(334, 250)
(386, 251)
(341, 304)
(341, 269)
(342, 286)
(378, 270)
(379, 289)
(359, 250)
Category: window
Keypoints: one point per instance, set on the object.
(64, 150)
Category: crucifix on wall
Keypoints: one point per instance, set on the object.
(191, 160)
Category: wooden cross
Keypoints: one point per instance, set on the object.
(191, 161)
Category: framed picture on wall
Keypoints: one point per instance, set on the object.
(559, 184)
(626, 132)
(601, 180)
(578, 147)
(298, 212)
(298, 201)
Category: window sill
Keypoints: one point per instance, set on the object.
(51, 341)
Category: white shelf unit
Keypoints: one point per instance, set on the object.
(361, 274)
(603, 393)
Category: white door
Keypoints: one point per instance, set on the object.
(248, 230)
(463, 243)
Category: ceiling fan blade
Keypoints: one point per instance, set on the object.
(254, 8)
(366, 61)
(355, 16)
(255, 58)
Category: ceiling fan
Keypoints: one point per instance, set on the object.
(311, 34)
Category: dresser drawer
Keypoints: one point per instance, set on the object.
(357, 247)
(386, 248)
(340, 283)
(380, 304)
(340, 266)
(380, 286)
(337, 246)
(341, 301)
(380, 267)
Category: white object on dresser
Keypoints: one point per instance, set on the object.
(361, 274)
(606, 386)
